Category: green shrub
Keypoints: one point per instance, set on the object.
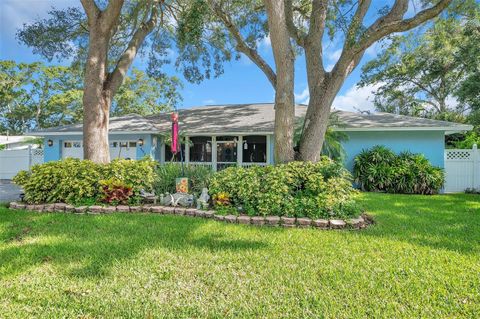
(77, 181)
(300, 189)
(198, 177)
(379, 169)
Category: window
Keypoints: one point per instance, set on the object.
(77, 144)
(132, 144)
(67, 144)
(255, 149)
(113, 144)
(200, 149)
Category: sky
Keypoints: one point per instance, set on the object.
(242, 81)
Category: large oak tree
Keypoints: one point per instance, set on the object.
(104, 37)
(309, 23)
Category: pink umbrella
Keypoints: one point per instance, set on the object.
(174, 147)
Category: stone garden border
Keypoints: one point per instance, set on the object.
(273, 221)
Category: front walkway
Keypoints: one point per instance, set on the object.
(9, 191)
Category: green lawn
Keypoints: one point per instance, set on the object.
(421, 259)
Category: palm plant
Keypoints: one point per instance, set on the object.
(332, 146)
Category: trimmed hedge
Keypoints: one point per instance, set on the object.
(75, 181)
(296, 189)
(380, 169)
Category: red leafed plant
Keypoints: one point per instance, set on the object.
(115, 191)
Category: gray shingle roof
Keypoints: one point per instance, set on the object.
(253, 118)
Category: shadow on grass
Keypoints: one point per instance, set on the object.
(449, 222)
(89, 245)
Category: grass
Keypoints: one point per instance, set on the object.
(421, 259)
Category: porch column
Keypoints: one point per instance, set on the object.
(214, 153)
(162, 150)
(269, 150)
(240, 150)
(187, 150)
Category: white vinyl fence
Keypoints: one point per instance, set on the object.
(13, 161)
(462, 169)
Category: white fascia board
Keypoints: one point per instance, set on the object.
(423, 128)
(81, 133)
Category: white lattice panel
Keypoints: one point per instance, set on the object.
(458, 154)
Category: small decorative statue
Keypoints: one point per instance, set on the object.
(177, 199)
(202, 201)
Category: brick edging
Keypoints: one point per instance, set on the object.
(273, 221)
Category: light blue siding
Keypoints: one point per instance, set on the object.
(429, 143)
(54, 152)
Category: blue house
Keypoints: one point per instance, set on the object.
(242, 134)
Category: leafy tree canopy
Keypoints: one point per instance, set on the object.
(433, 73)
(34, 95)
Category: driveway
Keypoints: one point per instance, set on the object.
(8, 191)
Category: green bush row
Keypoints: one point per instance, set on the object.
(380, 169)
(299, 189)
(76, 181)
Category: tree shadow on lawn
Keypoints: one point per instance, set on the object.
(449, 222)
(89, 245)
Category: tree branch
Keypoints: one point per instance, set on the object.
(115, 78)
(111, 13)
(242, 46)
(91, 9)
(393, 22)
(295, 33)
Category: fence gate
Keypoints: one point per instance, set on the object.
(462, 169)
(13, 161)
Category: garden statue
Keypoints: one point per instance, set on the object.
(177, 199)
(202, 201)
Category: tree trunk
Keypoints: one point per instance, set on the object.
(322, 95)
(96, 101)
(284, 97)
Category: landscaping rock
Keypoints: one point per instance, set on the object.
(109, 209)
(219, 218)
(368, 219)
(123, 208)
(13, 205)
(232, 219)
(69, 208)
(304, 222)
(60, 207)
(320, 223)
(190, 211)
(81, 209)
(288, 220)
(272, 220)
(356, 222)
(95, 210)
(258, 220)
(156, 209)
(39, 208)
(49, 208)
(199, 213)
(289, 225)
(337, 224)
(182, 211)
(168, 210)
(136, 209)
(20, 206)
(209, 214)
(30, 207)
(244, 219)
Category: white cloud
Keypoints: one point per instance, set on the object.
(303, 97)
(208, 102)
(266, 42)
(356, 99)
